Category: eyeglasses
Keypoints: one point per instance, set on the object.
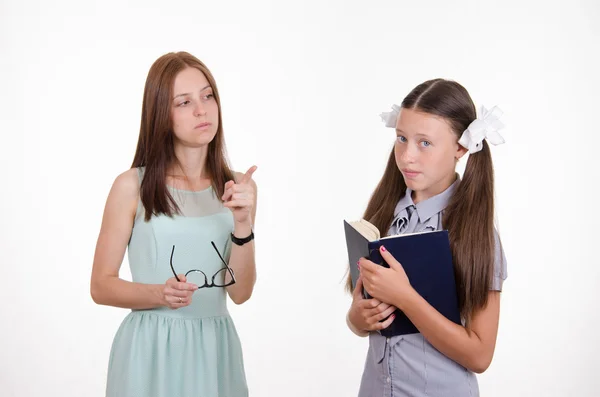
(221, 274)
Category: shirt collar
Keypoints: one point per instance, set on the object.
(427, 208)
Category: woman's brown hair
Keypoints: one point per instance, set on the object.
(469, 216)
(155, 147)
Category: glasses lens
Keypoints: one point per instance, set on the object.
(223, 278)
(196, 277)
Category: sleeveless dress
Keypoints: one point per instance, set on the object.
(194, 350)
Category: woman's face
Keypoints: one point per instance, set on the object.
(194, 109)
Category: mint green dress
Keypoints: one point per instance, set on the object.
(192, 351)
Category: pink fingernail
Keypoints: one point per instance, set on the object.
(383, 248)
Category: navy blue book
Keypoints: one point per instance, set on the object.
(427, 259)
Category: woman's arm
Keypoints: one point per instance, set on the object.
(241, 198)
(106, 287)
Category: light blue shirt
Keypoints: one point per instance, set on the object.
(408, 365)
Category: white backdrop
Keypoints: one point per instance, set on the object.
(302, 85)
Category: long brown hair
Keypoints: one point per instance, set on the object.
(469, 216)
(155, 147)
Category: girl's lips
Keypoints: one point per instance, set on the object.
(410, 173)
(202, 125)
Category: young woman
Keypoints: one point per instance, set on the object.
(186, 221)
(420, 190)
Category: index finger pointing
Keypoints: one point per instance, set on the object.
(248, 174)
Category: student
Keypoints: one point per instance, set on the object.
(186, 221)
(420, 190)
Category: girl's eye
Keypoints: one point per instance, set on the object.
(425, 143)
(401, 139)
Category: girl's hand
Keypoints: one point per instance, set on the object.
(389, 285)
(366, 314)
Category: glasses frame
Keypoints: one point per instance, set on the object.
(206, 284)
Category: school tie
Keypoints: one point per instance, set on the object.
(406, 221)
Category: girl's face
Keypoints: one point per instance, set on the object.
(426, 152)
(194, 109)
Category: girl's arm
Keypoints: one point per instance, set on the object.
(472, 347)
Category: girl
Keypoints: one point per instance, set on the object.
(420, 190)
(177, 211)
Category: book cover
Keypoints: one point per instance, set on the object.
(427, 260)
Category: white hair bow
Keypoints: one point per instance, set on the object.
(485, 126)
(390, 118)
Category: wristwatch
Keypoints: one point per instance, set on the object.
(242, 241)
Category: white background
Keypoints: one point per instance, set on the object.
(302, 85)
